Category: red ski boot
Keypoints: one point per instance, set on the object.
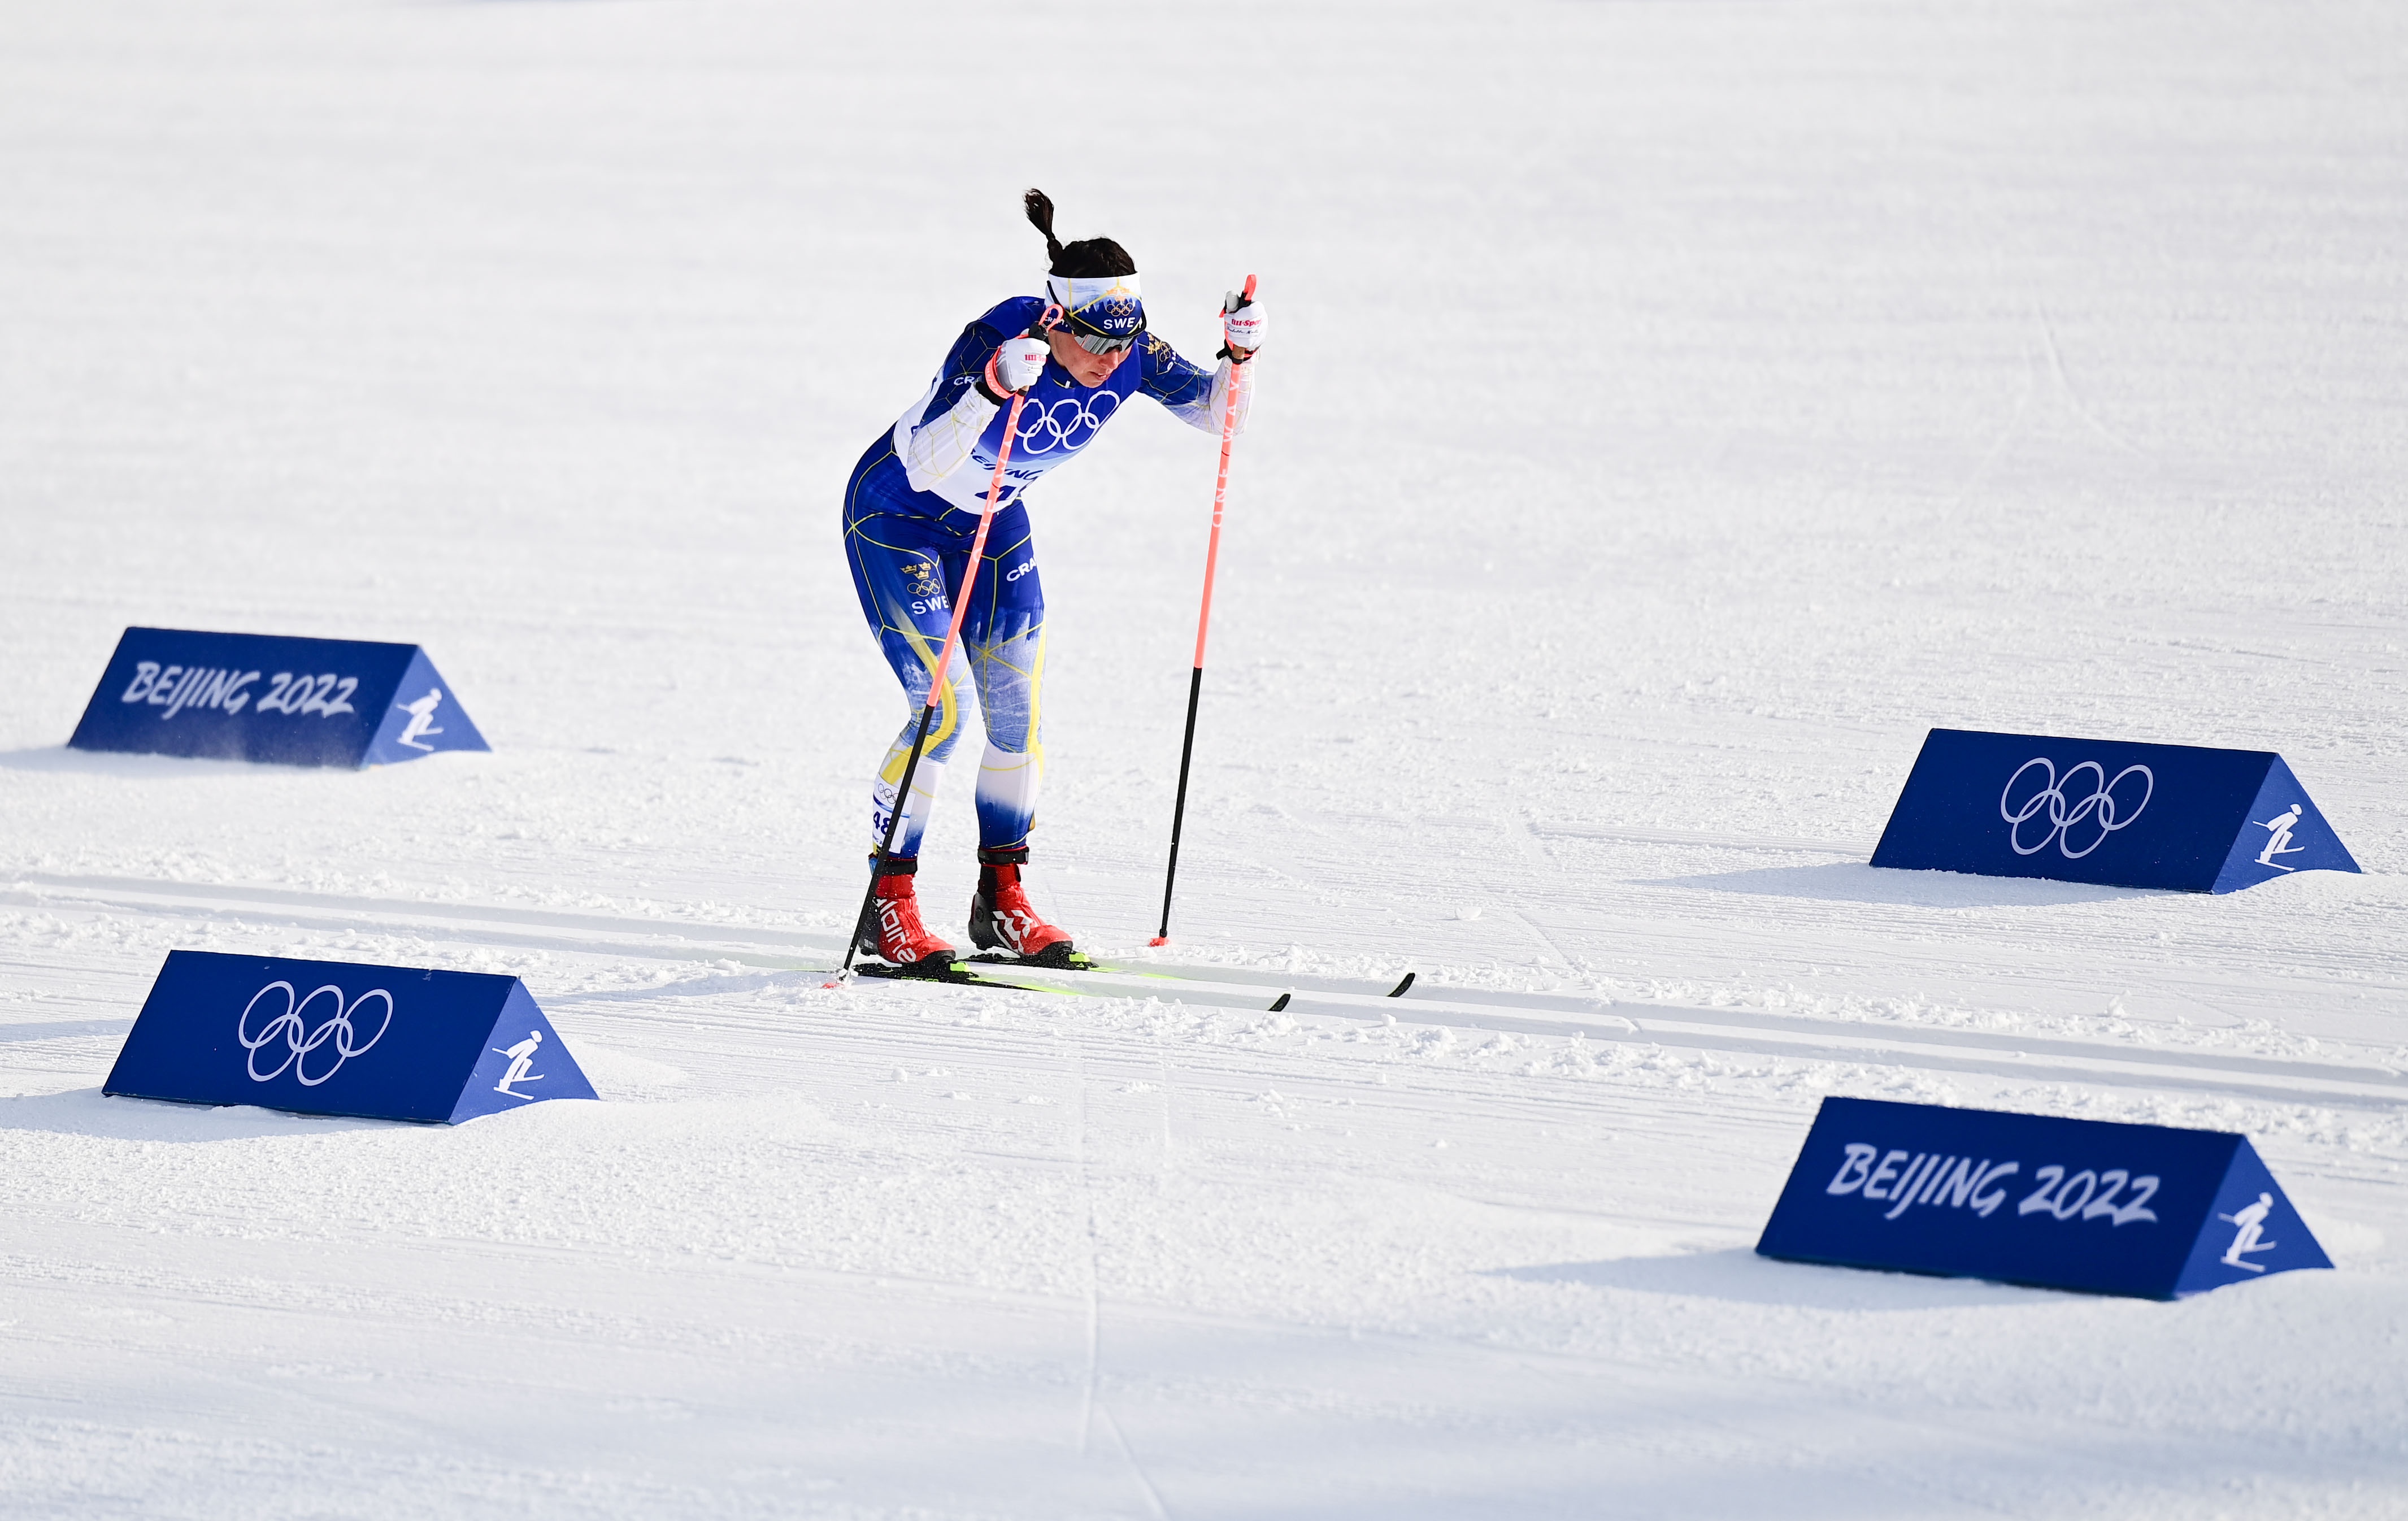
(1003, 919)
(894, 933)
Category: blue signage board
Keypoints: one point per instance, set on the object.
(2139, 1210)
(337, 1038)
(2106, 811)
(263, 697)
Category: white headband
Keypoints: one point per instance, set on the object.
(1072, 292)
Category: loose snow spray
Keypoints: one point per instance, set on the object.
(1203, 625)
(945, 657)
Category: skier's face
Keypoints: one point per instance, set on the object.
(1087, 369)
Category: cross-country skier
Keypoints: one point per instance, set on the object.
(910, 510)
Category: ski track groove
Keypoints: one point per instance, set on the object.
(1777, 1036)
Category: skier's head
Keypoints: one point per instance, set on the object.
(1093, 281)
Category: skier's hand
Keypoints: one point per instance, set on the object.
(1017, 364)
(1241, 327)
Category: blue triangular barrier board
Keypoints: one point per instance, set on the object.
(2148, 1211)
(342, 1038)
(2107, 812)
(271, 698)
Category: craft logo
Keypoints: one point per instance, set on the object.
(2060, 814)
(2278, 841)
(286, 1034)
(522, 1056)
(1019, 570)
(421, 720)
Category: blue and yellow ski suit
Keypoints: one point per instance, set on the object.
(911, 513)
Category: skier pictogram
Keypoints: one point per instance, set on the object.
(2250, 1236)
(522, 1056)
(421, 720)
(2278, 842)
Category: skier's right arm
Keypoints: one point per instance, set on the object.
(940, 435)
(935, 438)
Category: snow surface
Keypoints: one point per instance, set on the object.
(1674, 411)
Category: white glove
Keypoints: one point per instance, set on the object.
(1242, 324)
(1017, 364)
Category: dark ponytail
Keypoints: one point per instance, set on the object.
(1086, 258)
(1040, 208)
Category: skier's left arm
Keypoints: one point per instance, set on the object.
(1196, 395)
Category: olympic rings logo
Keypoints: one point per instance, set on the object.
(2053, 806)
(292, 1025)
(1064, 425)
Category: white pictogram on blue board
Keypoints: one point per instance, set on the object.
(421, 720)
(2250, 1236)
(522, 1056)
(2278, 840)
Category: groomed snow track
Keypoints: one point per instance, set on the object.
(1545, 1015)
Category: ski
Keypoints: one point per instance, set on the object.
(1288, 984)
(956, 975)
(1365, 987)
(1208, 985)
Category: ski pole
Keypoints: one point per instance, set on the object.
(1203, 627)
(936, 682)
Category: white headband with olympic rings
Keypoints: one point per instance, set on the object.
(1071, 291)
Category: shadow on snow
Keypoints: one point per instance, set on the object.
(1739, 1276)
(1853, 883)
